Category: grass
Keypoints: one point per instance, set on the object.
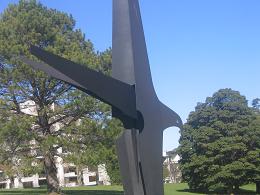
(183, 189)
(170, 189)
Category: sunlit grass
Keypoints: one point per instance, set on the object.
(170, 189)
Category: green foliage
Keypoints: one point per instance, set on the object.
(254, 143)
(14, 138)
(113, 129)
(90, 143)
(218, 145)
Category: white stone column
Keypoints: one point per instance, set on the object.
(85, 176)
(103, 177)
(36, 181)
(60, 171)
(17, 183)
(8, 183)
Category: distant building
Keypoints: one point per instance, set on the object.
(66, 172)
(171, 162)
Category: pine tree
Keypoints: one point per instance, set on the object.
(55, 103)
(254, 144)
(214, 143)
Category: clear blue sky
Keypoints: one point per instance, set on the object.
(195, 47)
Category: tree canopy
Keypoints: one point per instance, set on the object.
(219, 144)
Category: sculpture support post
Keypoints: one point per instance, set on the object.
(128, 157)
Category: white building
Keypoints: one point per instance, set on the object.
(66, 172)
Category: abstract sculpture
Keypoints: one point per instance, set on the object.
(131, 94)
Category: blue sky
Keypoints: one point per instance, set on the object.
(195, 47)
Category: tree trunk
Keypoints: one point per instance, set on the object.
(257, 183)
(11, 182)
(79, 175)
(236, 188)
(51, 174)
(230, 190)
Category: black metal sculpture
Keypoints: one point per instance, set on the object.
(131, 94)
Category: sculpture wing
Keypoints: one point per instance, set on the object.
(169, 117)
(107, 89)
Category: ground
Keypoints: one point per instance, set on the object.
(170, 189)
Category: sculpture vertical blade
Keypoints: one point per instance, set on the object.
(131, 65)
(123, 60)
(130, 57)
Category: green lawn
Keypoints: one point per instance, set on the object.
(170, 189)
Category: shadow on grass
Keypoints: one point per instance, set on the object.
(66, 192)
(23, 192)
(241, 192)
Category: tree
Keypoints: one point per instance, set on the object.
(56, 104)
(256, 103)
(254, 145)
(112, 130)
(214, 143)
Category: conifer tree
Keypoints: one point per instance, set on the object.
(57, 105)
(216, 146)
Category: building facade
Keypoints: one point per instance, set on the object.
(66, 174)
